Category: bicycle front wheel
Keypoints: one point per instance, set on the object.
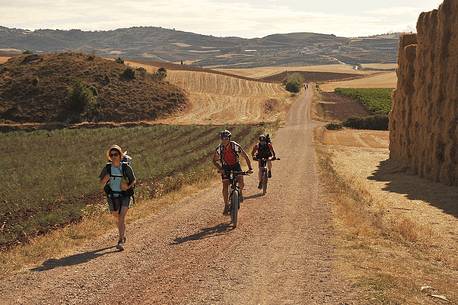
(234, 207)
(264, 182)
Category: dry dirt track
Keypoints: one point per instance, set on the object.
(281, 252)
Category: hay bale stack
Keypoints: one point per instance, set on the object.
(423, 121)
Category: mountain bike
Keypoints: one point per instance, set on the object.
(263, 169)
(234, 197)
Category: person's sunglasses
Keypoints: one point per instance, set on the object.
(114, 154)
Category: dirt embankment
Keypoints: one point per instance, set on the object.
(37, 88)
(423, 122)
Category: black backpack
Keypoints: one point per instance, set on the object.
(268, 140)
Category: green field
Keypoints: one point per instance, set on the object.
(49, 177)
(377, 100)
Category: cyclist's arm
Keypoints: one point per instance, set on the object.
(216, 161)
(272, 150)
(247, 159)
(253, 152)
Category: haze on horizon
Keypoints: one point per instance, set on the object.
(250, 18)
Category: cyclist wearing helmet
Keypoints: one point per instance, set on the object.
(226, 158)
(263, 149)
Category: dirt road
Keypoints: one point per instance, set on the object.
(281, 252)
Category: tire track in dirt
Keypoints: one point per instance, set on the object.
(281, 252)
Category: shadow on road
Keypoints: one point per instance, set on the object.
(253, 196)
(416, 188)
(204, 233)
(74, 259)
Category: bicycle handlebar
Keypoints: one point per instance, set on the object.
(267, 159)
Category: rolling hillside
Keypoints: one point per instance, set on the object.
(71, 87)
(161, 44)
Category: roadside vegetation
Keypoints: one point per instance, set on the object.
(51, 177)
(376, 100)
(294, 82)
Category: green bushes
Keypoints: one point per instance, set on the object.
(51, 176)
(334, 126)
(160, 74)
(128, 74)
(83, 98)
(374, 122)
(294, 82)
(376, 100)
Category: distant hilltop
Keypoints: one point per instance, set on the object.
(155, 43)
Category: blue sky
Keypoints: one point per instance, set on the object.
(250, 18)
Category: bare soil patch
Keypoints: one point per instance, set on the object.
(332, 106)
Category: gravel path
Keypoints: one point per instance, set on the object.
(280, 253)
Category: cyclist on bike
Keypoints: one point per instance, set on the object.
(263, 150)
(226, 158)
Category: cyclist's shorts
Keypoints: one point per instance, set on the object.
(227, 168)
(114, 203)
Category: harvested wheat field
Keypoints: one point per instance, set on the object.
(378, 80)
(222, 99)
(398, 232)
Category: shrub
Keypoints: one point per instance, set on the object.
(119, 60)
(293, 86)
(334, 126)
(160, 74)
(294, 82)
(82, 97)
(374, 122)
(35, 81)
(141, 71)
(128, 74)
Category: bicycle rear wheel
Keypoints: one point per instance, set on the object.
(234, 207)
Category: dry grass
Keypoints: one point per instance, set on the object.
(4, 59)
(379, 80)
(389, 244)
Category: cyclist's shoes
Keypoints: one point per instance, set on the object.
(260, 185)
(269, 174)
(226, 210)
(120, 245)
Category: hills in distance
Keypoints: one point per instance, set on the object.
(160, 44)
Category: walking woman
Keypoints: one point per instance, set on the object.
(117, 179)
